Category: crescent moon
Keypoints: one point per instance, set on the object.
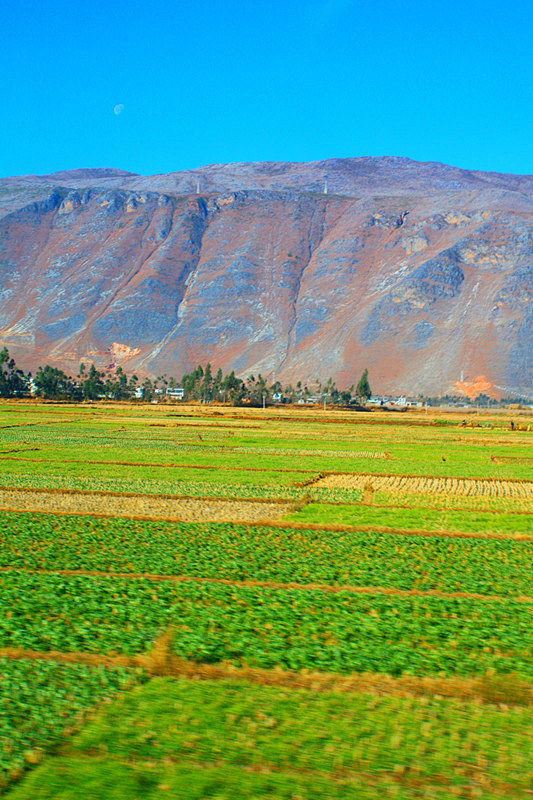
(118, 109)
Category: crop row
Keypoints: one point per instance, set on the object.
(40, 699)
(413, 457)
(240, 553)
(66, 465)
(432, 485)
(359, 431)
(49, 612)
(288, 729)
(178, 487)
(114, 456)
(352, 633)
(184, 456)
(67, 777)
(174, 440)
(318, 451)
(295, 629)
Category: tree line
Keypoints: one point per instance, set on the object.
(201, 385)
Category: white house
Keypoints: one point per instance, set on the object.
(175, 393)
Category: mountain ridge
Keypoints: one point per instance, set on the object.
(364, 167)
(416, 270)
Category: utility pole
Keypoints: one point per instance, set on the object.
(263, 402)
(326, 186)
(197, 187)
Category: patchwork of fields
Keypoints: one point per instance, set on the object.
(288, 604)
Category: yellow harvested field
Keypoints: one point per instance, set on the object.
(181, 509)
(429, 485)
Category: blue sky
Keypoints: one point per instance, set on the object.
(210, 81)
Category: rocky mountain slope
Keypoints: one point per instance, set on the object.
(421, 272)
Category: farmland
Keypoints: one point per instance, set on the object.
(264, 603)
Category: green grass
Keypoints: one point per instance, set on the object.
(415, 518)
(41, 701)
(189, 739)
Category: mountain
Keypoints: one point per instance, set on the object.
(419, 271)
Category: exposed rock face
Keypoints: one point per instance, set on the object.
(263, 272)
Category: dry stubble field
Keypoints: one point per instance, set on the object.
(215, 602)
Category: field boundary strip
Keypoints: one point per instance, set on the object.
(168, 465)
(40, 423)
(279, 523)
(21, 450)
(159, 662)
(476, 510)
(312, 418)
(252, 583)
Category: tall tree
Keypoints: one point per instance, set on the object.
(233, 388)
(217, 385)
(52, 384)
(116, 387)
(147, 390)
(92, 384)
(206, 385)
(363, 389)
(13, 382)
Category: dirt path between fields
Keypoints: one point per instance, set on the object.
(160, 662)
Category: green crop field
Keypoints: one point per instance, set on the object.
(218, 602)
